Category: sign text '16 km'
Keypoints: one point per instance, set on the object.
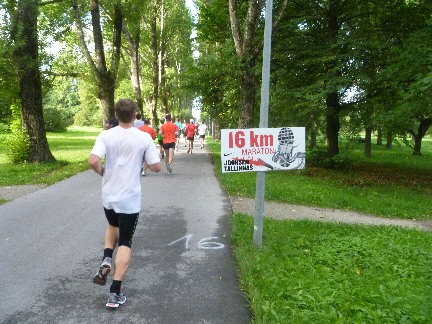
(239, 139)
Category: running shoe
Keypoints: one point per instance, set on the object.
(143, 173)
(100, 277)
(169, 169)
(115, 300)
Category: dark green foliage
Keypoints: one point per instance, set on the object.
(320, 158)
(60, 104)
(57, 119)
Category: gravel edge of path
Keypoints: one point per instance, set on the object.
(296, 212)
(13, 192)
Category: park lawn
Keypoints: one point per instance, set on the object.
(393, 183)
(315, 272)
(70, 149)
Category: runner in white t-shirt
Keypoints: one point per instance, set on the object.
(124, 148)
(201, 133)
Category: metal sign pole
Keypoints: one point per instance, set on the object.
(265, 94)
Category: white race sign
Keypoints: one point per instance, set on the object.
(263, 149)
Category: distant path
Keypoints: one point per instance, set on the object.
(287, 211)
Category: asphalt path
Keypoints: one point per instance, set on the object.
(182, 269)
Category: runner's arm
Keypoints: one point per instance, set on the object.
(155, 167)
(95, 165)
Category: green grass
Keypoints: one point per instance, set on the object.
(314, 272)
(393, 183)
(71, 150)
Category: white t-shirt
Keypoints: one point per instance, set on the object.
(124, 150)
(138, 123)
(202, 129)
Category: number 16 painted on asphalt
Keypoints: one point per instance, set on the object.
(204, 244)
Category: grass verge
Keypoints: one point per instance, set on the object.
(71, 150)
(393, 184)
(313, 272)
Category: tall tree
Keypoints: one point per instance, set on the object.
(104, 74)
(166, 54)
(215, 77)
(244, 26)
(24, 33)
(316, 57)
(132, 32)
(410, 72)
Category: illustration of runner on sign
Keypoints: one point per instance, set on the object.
(284, 154)
(263, 149)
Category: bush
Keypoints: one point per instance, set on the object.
(17, 144)
(321, 159)
(4, 128)
(57, 120)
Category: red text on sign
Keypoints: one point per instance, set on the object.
(238, 139)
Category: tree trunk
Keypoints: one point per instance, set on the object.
(217, 129)
(134, 44)
(247, 50)
(30, 88)
(368, 122)
(246, 53)
(380, 136)
(247, 95)
(162, 62)
(155, 67)
(106, 97)
(389, 139)
(422, 129)
(368, 142)
(313, 132)
(332, 97)
(105, 79)
(333, 123)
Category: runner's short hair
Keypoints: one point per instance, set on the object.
(125, 110)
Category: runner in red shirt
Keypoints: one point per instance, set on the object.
(169, 130)
(190, 132)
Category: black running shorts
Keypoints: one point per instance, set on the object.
(125, 222)
(167, 146)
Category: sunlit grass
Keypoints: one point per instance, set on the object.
(70, 149)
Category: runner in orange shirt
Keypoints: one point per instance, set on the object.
(169, 130)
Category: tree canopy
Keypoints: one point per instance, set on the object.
(339, 67)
